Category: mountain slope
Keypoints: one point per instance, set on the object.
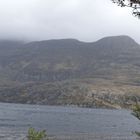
(99, 67)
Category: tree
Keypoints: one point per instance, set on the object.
(134, 4)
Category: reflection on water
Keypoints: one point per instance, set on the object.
(66, 122)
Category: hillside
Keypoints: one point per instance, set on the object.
(105, 73)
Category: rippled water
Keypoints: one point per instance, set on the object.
(67, 122)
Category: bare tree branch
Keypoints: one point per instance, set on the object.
(134, 4)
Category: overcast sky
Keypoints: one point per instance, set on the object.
(86, 20)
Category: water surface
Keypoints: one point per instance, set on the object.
(66, 122)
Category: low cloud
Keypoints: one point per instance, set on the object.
(86, 20)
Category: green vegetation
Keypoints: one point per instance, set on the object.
(136, 113)
(36, 135)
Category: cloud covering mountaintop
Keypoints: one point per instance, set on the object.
(85, 20)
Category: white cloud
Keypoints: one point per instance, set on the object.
(86, 20)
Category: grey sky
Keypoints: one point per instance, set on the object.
(86, 20)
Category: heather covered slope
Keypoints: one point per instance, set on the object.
(67, 71)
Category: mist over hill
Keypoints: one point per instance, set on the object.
(105, 73)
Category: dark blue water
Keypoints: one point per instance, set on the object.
(15, 119)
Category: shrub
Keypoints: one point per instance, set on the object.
(36, 135)
(136, 113)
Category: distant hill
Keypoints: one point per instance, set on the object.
(104, 73)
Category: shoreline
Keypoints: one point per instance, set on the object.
(78, 136)
(67, 105)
